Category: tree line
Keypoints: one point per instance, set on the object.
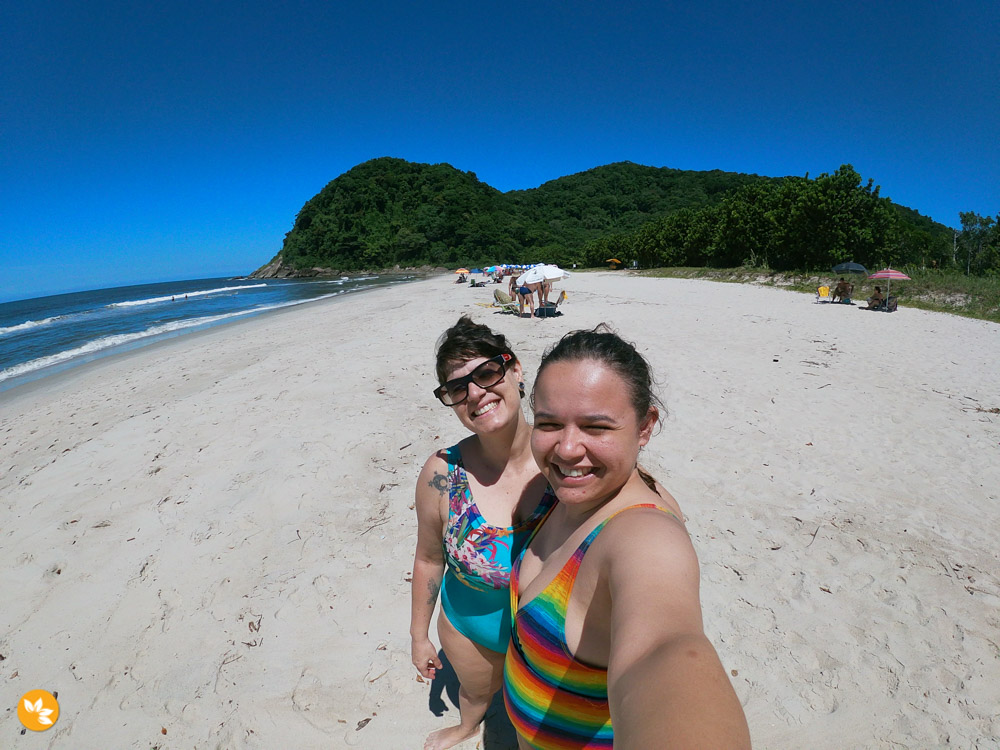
(390, 212)
(979, 243)
(804, 224)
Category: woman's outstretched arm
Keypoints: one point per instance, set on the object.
(666, 684)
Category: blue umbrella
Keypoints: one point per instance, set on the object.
(850, 267)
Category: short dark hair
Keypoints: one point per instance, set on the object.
(605, 346)
(467, 340)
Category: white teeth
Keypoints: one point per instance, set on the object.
(573, 472)
(486, 409)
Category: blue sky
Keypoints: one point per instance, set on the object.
(145, 142)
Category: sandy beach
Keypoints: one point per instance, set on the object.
(207, 543)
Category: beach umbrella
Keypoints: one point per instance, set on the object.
(889, 274)
(462, 270)
(531, 276)
(850, 267)
(553, 273)
(612, 260)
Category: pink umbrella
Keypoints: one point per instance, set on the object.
(889, 274)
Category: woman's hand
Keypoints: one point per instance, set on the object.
(424, 657)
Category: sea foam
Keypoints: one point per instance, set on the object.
(183, 295)
(107, 342)
(29, 324)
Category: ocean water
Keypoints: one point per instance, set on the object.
(41, 336)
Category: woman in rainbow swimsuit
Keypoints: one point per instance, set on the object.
(476, 504)
(608, 648)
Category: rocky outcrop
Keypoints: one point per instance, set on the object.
(277, 269)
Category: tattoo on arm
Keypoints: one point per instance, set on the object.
(440, 483)
(432, 592)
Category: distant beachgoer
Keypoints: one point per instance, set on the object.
(465, 545)
(525, 294)
(607, 620)
(545, 286)
(876, 300)
(841, 290)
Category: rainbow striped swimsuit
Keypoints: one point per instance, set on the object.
(555, 701)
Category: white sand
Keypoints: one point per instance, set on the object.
(213, 536)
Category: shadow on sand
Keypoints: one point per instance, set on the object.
(498, 733)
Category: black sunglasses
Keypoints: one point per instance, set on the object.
(488, 373)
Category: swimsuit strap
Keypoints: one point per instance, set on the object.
(453, 457)
(566, 577)
(463, 514)
(562, 583)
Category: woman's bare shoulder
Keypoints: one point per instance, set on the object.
(661, 518)
(437, 461)
(647, 537)
(433, 478)
(669, 501)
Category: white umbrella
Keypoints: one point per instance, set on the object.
(553, 273)
(531, 276)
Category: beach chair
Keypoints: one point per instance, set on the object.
(823, 295)
(503, 300)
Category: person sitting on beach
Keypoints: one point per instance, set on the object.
(476, 503)
(876, 300)
(842, 290)
(607, 646)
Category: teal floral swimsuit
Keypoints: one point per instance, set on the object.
(475, 593)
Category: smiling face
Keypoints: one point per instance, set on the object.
(587, 435)
(488, 409)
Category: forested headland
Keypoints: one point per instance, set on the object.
(388, 213)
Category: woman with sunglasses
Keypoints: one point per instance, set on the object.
(477, 502)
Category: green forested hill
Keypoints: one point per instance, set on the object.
(389, 212)
(571, 211)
